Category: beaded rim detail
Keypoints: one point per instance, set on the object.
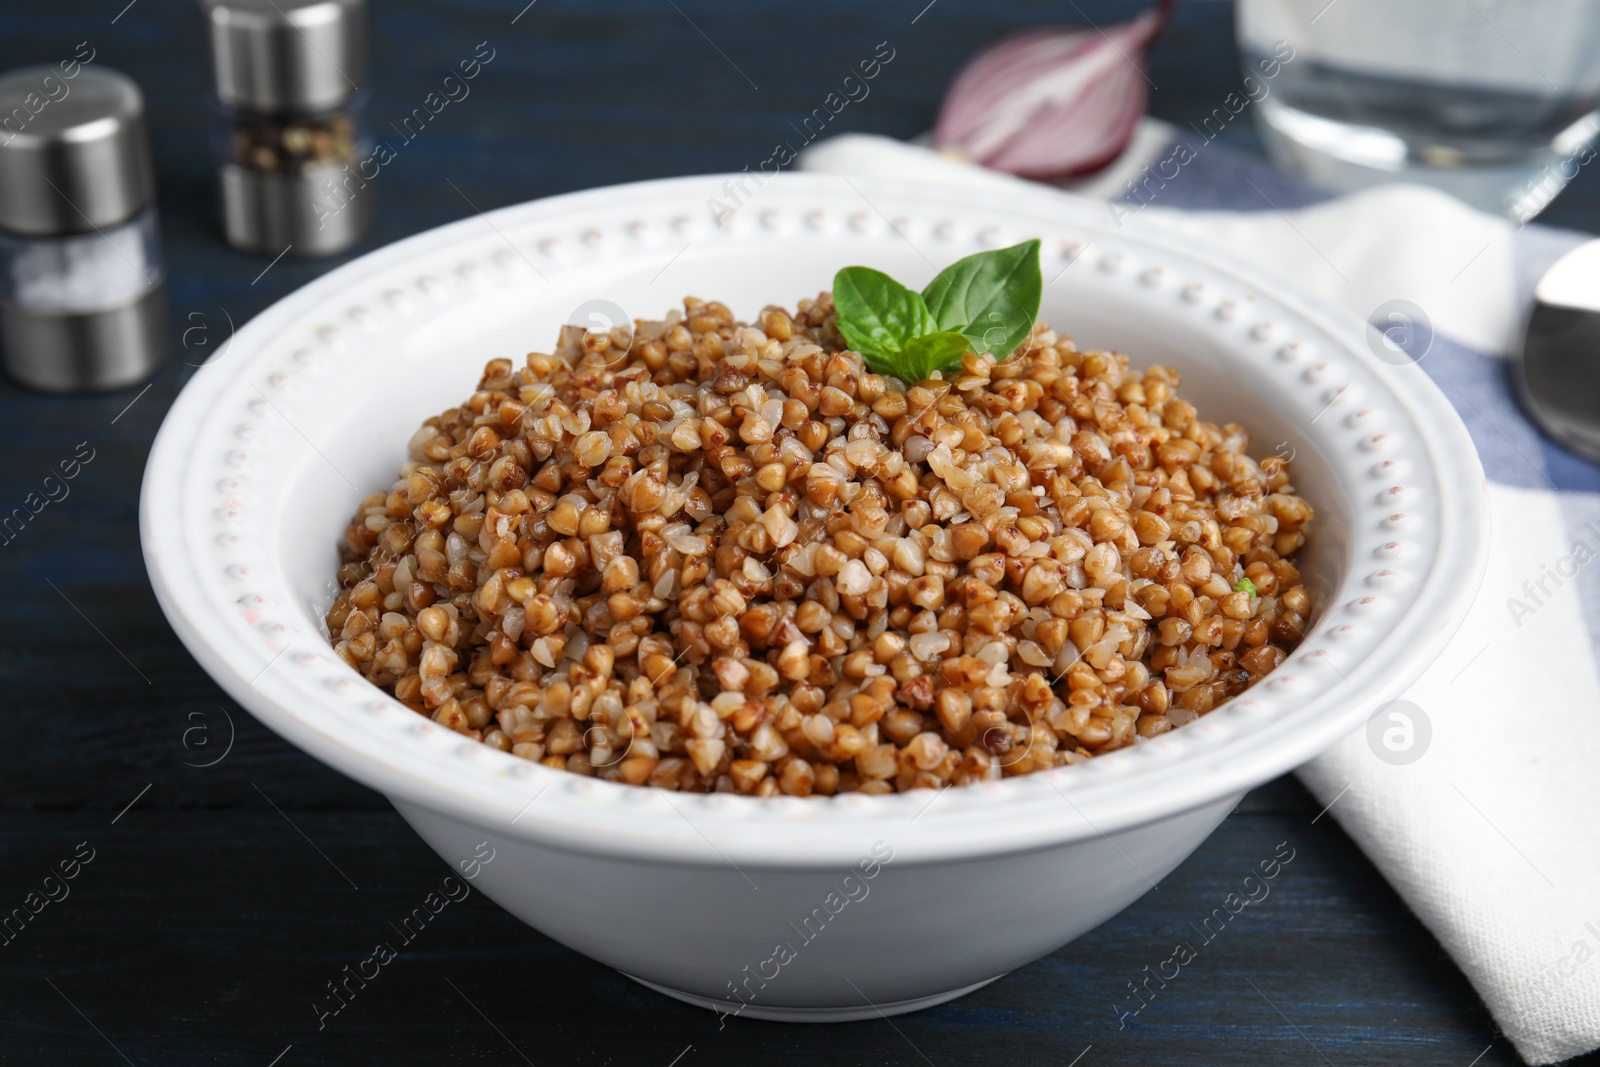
(215, 479)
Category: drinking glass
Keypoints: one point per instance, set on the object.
(1494, 101)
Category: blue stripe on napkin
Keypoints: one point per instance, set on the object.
(1215, 178)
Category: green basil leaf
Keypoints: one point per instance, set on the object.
(991, 297)
(877, 315)
(931, 352)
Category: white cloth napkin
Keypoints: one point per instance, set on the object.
(1493, 835)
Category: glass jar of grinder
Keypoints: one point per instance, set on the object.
(82, 305)
(288, 132)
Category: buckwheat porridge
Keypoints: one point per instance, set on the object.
(704, 554)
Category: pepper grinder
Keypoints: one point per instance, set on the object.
(82, 306)
(288, 131)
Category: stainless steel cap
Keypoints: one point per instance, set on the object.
(74, 154)
(311, 213)
(85, 352)
(287, 55)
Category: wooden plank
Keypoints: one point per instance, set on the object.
(208, 935)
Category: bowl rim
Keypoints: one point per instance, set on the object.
(1277, 725)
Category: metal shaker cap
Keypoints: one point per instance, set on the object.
(287, 55)
(74, 154)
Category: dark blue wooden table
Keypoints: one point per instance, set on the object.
(220, 899)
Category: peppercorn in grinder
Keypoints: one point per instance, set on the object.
(289, 123)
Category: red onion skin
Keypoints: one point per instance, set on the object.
(987, 115)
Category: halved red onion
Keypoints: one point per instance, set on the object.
(1052, 103)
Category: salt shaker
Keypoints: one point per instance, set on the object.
(82, 305)
(288, 131)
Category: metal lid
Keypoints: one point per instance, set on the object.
(312, 212)
(287, 55)
(74, 155)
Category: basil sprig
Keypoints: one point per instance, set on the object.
(985, 303)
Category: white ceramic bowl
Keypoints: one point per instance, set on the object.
(801, 909)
